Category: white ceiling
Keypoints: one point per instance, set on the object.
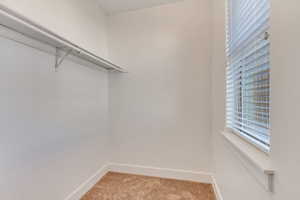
(115, 6)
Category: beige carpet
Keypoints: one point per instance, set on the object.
(117, 186)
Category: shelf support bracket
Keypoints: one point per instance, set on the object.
(60, 58)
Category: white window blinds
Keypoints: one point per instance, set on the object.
(248, 70)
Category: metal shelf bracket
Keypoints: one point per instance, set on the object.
(60, 58)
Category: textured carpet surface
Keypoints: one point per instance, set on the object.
(117, 186)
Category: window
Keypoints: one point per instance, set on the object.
(248, 70)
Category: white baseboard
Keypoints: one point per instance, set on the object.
(217, 190)
(88, 184)
(202, 177)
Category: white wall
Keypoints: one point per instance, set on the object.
(235, 181)
(53, 125)
(285, 118)
(81, 22)
(160, 111)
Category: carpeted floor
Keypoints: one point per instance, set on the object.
(117, 186)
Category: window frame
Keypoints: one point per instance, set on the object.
(258, 144)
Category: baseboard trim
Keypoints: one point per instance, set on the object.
(216, 188)
(88, 184)
(202, 177)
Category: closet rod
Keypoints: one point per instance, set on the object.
(26, 27)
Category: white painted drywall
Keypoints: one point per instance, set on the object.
(116, 6)
(285, 94)
(81, 22)
(235, 181)
(160, 111)
(53, 125)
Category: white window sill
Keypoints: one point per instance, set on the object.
(255, 160)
